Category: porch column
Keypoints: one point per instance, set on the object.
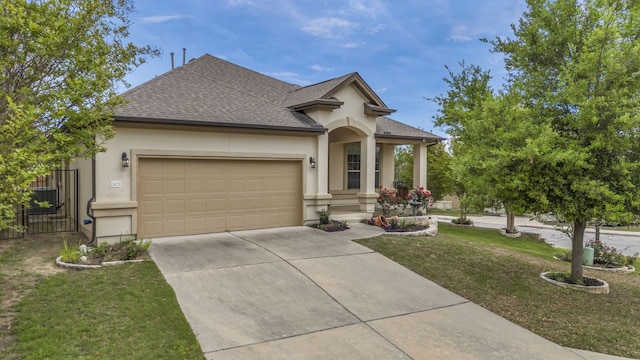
(387, 165)
(317, 196)
(420, 165)
(367, 195)
(322, 164)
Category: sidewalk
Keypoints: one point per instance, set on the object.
(524, 221)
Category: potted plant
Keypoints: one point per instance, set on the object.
(324, 216)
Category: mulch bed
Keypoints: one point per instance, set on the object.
(332, 226)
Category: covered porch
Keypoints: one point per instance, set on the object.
(359, 162)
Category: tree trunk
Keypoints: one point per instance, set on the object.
(511, 222)
(598, 231)
(576, 250)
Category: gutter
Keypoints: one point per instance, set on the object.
(313, 129)
(93, 198)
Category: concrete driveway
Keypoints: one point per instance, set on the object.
(301, 293)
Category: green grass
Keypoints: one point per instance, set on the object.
(502, 275)
(119, 312)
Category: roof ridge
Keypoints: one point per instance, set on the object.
(158, 77)
(247, 69)
(326, 81)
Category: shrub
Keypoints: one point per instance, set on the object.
(608, 256)
(462, 221)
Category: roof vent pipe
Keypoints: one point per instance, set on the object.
(184, 56)
(172, 65)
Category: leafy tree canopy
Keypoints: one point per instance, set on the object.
(562, 137)
(60, 62)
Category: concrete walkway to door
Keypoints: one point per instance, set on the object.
(301, 293)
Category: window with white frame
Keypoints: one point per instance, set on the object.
(352, 152)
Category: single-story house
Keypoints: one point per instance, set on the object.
(211, 146)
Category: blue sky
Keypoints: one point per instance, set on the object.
(399, 47)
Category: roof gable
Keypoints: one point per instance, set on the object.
(316, 95)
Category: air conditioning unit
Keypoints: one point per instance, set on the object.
(42, 194)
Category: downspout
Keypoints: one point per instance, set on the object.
(93, 198)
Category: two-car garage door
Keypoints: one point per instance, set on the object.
(196, 196)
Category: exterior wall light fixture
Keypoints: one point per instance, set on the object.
(312, 161)
(125, 160)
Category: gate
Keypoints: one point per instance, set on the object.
(53, 206)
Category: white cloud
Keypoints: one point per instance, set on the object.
(317, 67)
(381, 91)
(460, 33)
(460, 38)
(351, 45)
(239, 2)
(329, 27)
(290, 77)
(362, 9)
(162, 18)
(376, 29)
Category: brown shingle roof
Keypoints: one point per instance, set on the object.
(212, 91)
(209, 90)
(391, 129)
(313, 92)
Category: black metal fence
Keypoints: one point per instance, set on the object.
(53, 206)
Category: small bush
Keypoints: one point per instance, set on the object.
(70, 253)
(462, 221)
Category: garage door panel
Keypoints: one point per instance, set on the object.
(192, 196)
(216, 204)
(151, 187)
(195, 206)
(197, 186)
(175, 207)
(173, 226)
(197, 224)
(175, 187)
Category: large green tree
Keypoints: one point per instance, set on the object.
(439, 176)
(60, 63)
(461, 112)
(574, 67)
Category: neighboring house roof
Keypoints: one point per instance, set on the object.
(212, 91)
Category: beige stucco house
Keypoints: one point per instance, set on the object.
(211, 146)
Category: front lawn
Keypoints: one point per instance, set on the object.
(502, 275)
(118, 312)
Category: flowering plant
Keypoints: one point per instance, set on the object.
(608, 256)
(422, 197)
(389, 200)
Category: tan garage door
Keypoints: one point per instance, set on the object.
(197, 196)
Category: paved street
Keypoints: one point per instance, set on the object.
(626, 242)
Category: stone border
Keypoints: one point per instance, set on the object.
(516, 234)
(603, 289)
(66, 265)
(624, 270)
(430, 231)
